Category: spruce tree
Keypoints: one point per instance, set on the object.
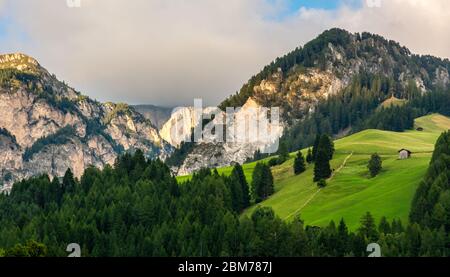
(375, 165)
(315, 147)
(325, 151)
(368, 227)
(262, 182)
(322, 168)
(327, 143)
(343, 237)
(384, 226)
(283, 153)
(238, 175)
(309, 156)
(299, 163)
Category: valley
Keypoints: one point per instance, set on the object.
(350, 192)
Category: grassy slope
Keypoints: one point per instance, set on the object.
(350, 192)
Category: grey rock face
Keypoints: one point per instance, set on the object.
(48, 127)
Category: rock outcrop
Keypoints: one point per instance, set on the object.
(48, 127)
(329, 64)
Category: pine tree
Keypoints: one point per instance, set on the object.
(299, 163)
(262, 182)
(375, 165)
(368, 227)
(68, 183)
(325, 151)
(283, 153)
(384, 226)
(309, 156)
(238, 175)
(343, 237)
(315, 147)
(322, 168)
(327, 144)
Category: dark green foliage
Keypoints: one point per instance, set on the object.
(9, 77)
(384, 226)
(30, 249)
(322, 183)
(315, 147)
(257, 156)
(375, 165)
(262, 182)
(136, 208)
(431, 203)
(239, 189)
(180, 153)
(283, 156)
(368, 228)
(324, 153)
(309, 156)
(356, 108)
(283, 153)
(273, 162)
(299, 164)
(395, 118)
(62, 136)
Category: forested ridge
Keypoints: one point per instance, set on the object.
(136, 208)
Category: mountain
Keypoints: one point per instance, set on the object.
(47, 127)
(351, 192)
(333, 84)
(210, 151)
(157, 115)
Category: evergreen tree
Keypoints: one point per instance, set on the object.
(68, 184)
(262, 182)
(283, 153)
(343, 238)
(368, 228)
(238, 176)
(316, 147)
(325, 151)
(327, 144)
(384, 226)
(375, 165)
(299, 163)
(322, 183)
(309, 156)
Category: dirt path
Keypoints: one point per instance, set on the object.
(317, 192)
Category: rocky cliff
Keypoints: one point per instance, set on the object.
(47, 127)
(326, 66)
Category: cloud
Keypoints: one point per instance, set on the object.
(167, 52)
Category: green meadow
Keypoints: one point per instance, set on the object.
(351, 192)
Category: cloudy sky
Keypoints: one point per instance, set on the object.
(167, 52)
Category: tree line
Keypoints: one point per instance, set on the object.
(137, 208)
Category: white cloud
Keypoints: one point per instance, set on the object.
(170, 51)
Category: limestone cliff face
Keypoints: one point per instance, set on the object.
(48, 127)
(244, 134)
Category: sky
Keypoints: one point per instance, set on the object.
(168, 52)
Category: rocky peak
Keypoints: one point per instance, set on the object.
(19, 62)
(47, 126)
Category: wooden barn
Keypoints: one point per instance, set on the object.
(404, 154)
